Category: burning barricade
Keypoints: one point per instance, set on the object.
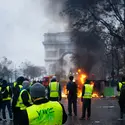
(80, 82)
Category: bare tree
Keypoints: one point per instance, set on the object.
(32, 71)
(6, 70)
(107, 19)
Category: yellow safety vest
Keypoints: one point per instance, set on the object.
(15, 83)
(120, 86)
(9, 97)
(49, 113)
(88, 91)
(54, 89)
(20, 86)
(20, 101)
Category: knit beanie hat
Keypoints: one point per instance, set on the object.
(26, 84)
(20, 80)
(37, 90)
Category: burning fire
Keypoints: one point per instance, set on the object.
(95, 95)
(64, 93)
(81, 80)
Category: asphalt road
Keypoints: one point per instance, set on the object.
(104, 112)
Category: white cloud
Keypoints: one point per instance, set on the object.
(22, 25)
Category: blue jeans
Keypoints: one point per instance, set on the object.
(7, 104)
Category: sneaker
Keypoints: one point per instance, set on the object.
(82, 118)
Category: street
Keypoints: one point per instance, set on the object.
(104, 112)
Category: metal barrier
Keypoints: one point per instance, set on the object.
(110, 92)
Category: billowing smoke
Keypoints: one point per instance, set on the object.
(89, 45)
(89, 49)
(22, 25)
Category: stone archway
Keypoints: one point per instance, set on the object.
(56, 46)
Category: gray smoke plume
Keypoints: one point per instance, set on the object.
(89, 46)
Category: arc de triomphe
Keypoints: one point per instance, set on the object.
(56, 46)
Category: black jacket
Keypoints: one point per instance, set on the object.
(24, 116)
(8, 92)
(72, 90)
(25, 98)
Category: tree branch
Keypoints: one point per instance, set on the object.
(108, 26)
(116, 11)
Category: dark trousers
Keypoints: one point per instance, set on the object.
(16, 117)
(7, 104)
(74, 102)
(86, 107)
(0, 108)
(122, 109)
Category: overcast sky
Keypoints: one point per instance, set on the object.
(22, 25)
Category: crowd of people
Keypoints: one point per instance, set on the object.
(29, 104)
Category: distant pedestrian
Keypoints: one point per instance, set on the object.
(16, 91)
(122, 97)
(86, 99)
(72, 96)
(6, 100)
(0, 98)
(102, 88)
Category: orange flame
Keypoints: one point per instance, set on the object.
(95, 95)
(83, 78)
(64, 95)
(79, 94)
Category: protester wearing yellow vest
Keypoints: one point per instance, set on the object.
(121, 97)
(0, 99)
(86, 99)
(16, 91)
(6, 100)
(24, 99)
(54, 90)
(43, 111)
(119, 87)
